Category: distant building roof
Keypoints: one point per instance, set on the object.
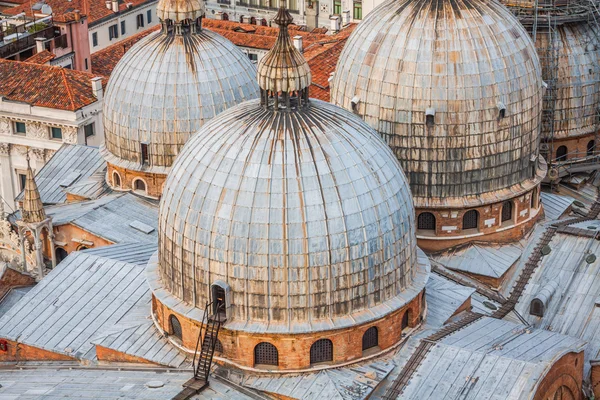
(320, 50)
(41, 58)
(489, 359)
(45, 85)
(63, 11)
(116, 217)
(71, 168)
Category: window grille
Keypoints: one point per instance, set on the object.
(266, 354)
(321, 351)
(218, 347)
(507, 211)
(175, 327)
(370, 338)
(471, 220)
(536, 308)
(426, 221)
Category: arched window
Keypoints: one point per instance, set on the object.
(426, 221)
(225, 17)
(61, 254)
(536, 308)
(370, 338)
(116, 179)
(591, 148)
(253, 20)
(218, 300)
(471, 220)
(218, 346)
(139, 185)
(264, 22)
(266, 354)
(175, 327)
(404, 320)
(561, 153)
(321, 351)
(507, 212)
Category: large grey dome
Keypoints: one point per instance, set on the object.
(306, 215)
(165, 88)
(473, 68)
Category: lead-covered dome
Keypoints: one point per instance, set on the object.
(306, 215)
(167, 86)
(455, 89)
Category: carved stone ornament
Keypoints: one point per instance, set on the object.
(4, 149)
(70, 134)
(37, 130)
(10, 247)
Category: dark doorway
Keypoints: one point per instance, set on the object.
(61, 254)
(218, 298)
(561, 153)
(507, 211)
(405, 321)
(591, 147)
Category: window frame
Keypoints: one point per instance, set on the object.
(94, 39)
(113, 32)
(123, 28)
(16, 128)
(139, 19)
(52, 130)
(149, 17)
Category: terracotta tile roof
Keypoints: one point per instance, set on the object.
(45, 86)
(62, 10)
(105, 60)
(320, 50)
(41, 58)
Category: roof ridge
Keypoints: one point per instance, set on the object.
(66, 82)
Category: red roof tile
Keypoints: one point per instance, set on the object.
(41, 58)
(320, 50)
(45, 86)
(62, 10)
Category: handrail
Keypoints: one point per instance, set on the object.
(210, 324)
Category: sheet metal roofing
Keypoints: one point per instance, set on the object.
(308, 208)
(444, 297)
(133, 253)
(164, 89)
(489, 261)
(488, 359)
(461, 62)
(555, 205)
(83, 298)
(572, 309)
(110, 217)
(72, 165)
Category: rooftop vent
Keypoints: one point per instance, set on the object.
(501, 110)
(430, 117)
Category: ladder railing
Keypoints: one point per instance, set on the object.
(207, 340)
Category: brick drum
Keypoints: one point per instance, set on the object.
(294, 350)
(567, 375)
(577, 146)
(448, 233)
(154, 182)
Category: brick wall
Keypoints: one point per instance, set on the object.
(11, 279)
(567, 374)
(154, 182)
(22, 352)
(294, 350)
(106, 354)
(66, 233)
(576, 146)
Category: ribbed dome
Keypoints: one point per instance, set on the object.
(165, 88)
(180, 10)
(462, 62)
(305, 214)
(577, 77)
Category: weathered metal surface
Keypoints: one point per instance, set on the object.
(180, 10)
(444, 297)
(82, 298)
(306, 215)
(491, 261)
(555, 205)
(164, 89)
(71, 160)
(467, 60)
(134, 253)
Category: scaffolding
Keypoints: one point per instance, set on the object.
(543, 20)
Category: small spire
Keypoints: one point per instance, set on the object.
(180, 11)
(283, 70)
(33, 209)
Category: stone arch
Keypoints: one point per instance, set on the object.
(139, 185)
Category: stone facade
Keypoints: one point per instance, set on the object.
(449, 232)
(294, 349)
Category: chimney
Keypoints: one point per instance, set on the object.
(345, 18)
(335, 23)
(97, 87)
(77, 15)
(298, 43)
(115, 5)
(39, 44)
(108, 5)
